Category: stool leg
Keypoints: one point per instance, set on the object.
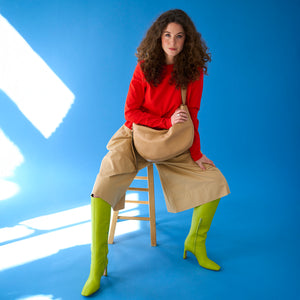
(151, 205)
(113, 227)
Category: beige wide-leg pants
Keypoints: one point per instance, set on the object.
(184, 184)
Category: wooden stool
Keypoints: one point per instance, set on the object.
(150, 202)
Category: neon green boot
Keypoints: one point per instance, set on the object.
(195, 241)
(100, 219)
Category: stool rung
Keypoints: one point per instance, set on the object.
(141, 177)
(134, 218)
(136, 201)
(138, 189)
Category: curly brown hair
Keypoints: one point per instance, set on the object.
(194, 55)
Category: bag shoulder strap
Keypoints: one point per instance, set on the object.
(183, 95)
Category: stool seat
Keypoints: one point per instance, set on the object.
(151, 202)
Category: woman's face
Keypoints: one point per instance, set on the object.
(172, 41)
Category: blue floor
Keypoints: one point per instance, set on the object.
(253, 238)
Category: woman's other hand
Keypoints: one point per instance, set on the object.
(179, 116)
(203, 160)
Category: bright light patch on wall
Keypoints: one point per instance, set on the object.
(13, 233)
(10, 159)
(8, 189)
(64, 230)
(132, 196)
(44, 245)
(60, 219)
(39, 297)
(10, 156)
(28, 81)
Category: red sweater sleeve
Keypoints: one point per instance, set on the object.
(134, 111)
(194, 94)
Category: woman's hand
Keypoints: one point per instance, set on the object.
(179, 116)
(205, 160)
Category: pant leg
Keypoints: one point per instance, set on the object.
(186, 185)
(118, 169)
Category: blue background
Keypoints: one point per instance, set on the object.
(248, 126)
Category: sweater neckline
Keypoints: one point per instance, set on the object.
(169, 67)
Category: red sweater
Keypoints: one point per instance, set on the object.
(153, 106)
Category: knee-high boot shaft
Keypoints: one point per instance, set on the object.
(100, 219)
(195, 241)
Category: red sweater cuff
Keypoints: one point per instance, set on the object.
(196, 157)
(168, 123)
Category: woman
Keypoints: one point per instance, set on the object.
(171, 56)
